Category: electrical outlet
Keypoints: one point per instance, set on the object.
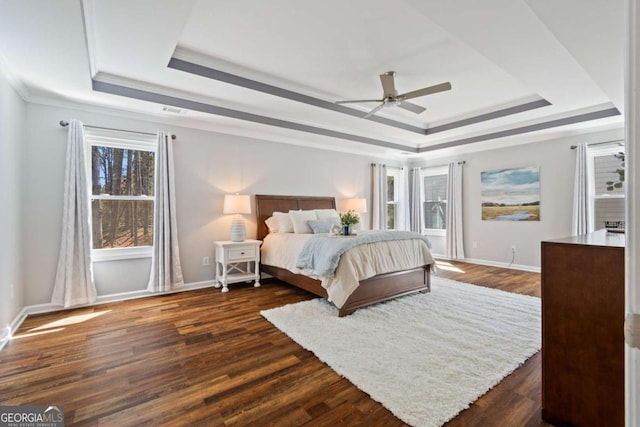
(474, 244)
(205, 261)
(513, 249)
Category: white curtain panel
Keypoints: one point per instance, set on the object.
(404, 206)
(379, 197)
(416, 200)
(581, 223)
(74, 277)
(455, 238)
(166, 271)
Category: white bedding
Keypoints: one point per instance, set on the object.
(362, 262)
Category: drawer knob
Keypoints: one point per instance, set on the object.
(241, 253)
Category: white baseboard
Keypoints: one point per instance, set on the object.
(495, 264)
(6, 334)
(13, 326)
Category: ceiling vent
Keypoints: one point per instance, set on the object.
(173, 110)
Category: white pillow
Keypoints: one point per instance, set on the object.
(272, 224)
(284, 222)
(299, 220)
(327, 213)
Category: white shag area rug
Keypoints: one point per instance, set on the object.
(425, 357)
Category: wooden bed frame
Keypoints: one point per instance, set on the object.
(373, 290)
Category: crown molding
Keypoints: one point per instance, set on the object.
(16, 83)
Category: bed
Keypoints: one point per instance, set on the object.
(372, 290)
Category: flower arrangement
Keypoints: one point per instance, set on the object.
(349, 218)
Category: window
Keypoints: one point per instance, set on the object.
(394, 196)
(608, 200)
(121, 172)
(434, 205)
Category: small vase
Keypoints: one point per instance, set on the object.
(346, 230)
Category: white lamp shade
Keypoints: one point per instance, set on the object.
(355, 204)
(237, 204)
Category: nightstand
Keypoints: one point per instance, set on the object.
(237, 262)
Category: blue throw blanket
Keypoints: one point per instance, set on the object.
(321, 253)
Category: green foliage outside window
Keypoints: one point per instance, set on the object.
(612, 185)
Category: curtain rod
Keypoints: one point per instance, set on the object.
(65, 123)
(461, 162)
(573, 147)
(382, 164)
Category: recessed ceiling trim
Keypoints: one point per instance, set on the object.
(489, 116)
(215, 74)
(211, 73)
(240, 115)
(270, 121)
(610, 112)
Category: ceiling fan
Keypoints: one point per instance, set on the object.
(390, 96)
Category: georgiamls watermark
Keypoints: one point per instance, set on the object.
(31, 416)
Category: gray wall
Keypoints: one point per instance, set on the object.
(208, 166)
(12, 125)
(493, 239)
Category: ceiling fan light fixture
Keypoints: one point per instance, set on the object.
(391, 98)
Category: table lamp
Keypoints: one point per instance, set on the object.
(357, 205)
(237, 204)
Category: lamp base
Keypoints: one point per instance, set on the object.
(238, 231)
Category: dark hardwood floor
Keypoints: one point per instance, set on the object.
(207, 358)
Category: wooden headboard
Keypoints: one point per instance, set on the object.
(267, 205)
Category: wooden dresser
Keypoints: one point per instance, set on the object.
(583, 330)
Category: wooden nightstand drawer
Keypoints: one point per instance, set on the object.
(246, 252)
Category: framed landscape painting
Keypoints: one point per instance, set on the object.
(511, 194)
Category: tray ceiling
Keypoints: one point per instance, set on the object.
(519, 70)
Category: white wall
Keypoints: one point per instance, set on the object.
(493, 239)
(12, 121)
(208, 166)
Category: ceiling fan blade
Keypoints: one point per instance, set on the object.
(411, 107)
(359, 100)
(388, 83)
(425, 91)
(372, 112)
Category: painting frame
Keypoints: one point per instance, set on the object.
(510, 194)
